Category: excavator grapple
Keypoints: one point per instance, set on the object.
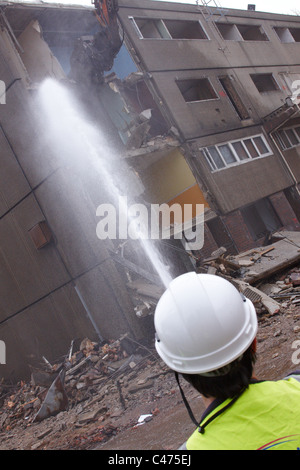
(94, 55)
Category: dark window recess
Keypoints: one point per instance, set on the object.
(261, 219)
(170, 29)
(139, 98)
(152, 29)
(284, 141)
(229, 31)
(179, 29)
(265, 82)
(284, 34)
(251, 148)
(197, 90)
(252, 33)
(236, 101)
(220, 235)
(294, 200)
(295, 32)
(292, 137)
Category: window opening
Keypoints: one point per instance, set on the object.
(284, 34)
(237, 151)
(168, 29)
(197, 90)
(229, 32)
(261, 219)
(264, 82)
(152, 29)
(295, 32)
(289, 137)
(252, 33)
(179, 29)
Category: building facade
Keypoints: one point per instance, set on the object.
(223, 79)
(59, 281)
(200, 108)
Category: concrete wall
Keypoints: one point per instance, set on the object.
(70, 288)
(243, 183)
(37, 56)
(214, 121)
(168, 60)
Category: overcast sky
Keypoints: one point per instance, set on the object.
(274, 6)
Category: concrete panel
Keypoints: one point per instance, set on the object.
(102, 303)
(199, 117)
(45, 329)
(25, 132)
(27, 274)
(13, 184)
(248, 182)
(108, 302)
(39, 61)
(180, 54)
(292, 157)
(68, 205)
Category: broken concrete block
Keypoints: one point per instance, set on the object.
(245, 262)
(295, 278)
(91, 415)
(56, 399)
(136, 387)
(255, 294)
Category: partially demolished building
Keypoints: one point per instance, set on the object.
(224, 80)
(201, 106)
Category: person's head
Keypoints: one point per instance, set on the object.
(206, 330)
(228, 381)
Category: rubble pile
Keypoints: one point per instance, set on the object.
(79, 379)
(266, 275)
(99, 389)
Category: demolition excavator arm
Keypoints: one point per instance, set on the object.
(94, 55)
(106, 11)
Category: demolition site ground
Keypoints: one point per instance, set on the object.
(120, 400)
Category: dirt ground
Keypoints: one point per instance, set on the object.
(109, 421)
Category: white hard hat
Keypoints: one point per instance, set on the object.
(203, 323)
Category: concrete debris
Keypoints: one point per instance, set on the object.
(257, 272)
(55, 401)
(80, 376)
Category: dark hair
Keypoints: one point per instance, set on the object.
(229, 385)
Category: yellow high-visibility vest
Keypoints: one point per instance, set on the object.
(265, 417)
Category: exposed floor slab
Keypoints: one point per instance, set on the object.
(267, 261)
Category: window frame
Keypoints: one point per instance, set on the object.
(283, 145)
(259, 26)
(217, 97)
(162, 20)
(275, 81)
(239, 161)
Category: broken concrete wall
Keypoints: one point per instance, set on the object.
(174, 59)
(37, 56)
(170, 60)
(69, 288)
(132, 109)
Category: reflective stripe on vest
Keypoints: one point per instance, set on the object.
(266, 416)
